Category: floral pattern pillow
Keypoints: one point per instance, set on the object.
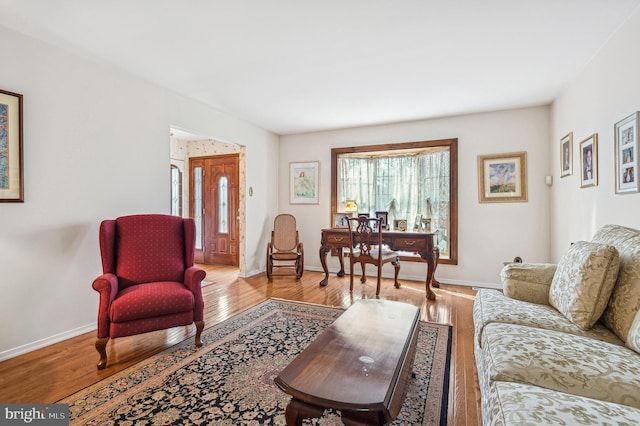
(583, 282)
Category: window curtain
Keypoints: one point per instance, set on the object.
(407, 186)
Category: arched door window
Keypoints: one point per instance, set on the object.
(176, 191)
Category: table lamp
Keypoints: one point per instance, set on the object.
(351, 207)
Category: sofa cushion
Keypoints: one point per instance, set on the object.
(625, 298)
(583, 282)
(562, 362)
(492, 306)
(528, 281)
(521, 404)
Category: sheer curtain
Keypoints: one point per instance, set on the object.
(400, 185)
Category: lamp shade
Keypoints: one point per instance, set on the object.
(350, 206)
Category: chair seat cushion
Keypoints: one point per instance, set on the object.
(386, 254)
(151, 300)
(285, 255)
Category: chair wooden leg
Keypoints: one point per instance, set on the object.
(379, 279)
(199, 328)
(101, 347)
(396, 266)
(363, 279)
(269, 267)
(351, 276)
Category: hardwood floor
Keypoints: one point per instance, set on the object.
(52, 373)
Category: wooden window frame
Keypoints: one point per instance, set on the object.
(451, 144)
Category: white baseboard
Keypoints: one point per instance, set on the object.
(422, 278)
(21, 350)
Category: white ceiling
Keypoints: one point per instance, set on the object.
(293, 66)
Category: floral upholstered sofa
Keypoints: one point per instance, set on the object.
(561, 344)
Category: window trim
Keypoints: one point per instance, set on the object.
(452, 144)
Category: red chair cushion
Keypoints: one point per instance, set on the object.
(150, 248)
(151, 300)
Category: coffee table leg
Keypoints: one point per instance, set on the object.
(362, 419)
(297, 411)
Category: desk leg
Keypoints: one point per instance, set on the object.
(341, 258)
(432, 261)
(434, 282)
(323, 260)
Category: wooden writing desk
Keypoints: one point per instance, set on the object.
(419, 242)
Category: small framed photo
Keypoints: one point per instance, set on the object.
(502, 178)
(425, 224)
(303, 182)
(566, 155)
(400, 225)
(341, 220)
(384, 216)
(589, 161)
(626, 145)
(417, 223)
(11, 157)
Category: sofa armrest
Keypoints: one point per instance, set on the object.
(528, 282)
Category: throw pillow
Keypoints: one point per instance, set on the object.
(583, 282)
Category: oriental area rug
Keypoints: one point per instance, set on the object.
(229, 380)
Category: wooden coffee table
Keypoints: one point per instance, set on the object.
(359, 365)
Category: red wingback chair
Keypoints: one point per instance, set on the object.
(149, 281)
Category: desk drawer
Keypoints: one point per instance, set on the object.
(409, 244)
(337, 240)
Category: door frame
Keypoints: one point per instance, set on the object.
(236, 149)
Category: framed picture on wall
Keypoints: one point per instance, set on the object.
(626, 156)
(502, 178)
(589, 161)
(303, 182)
(566, 155)
(11, 173)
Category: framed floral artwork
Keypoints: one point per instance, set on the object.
(11, 157)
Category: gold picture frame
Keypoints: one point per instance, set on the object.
(589, 161)
(502, 178)
(566, 155)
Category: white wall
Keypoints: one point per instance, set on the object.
(96, 146)
(607, 91)
(488, 233)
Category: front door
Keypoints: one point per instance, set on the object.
(215, 201)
